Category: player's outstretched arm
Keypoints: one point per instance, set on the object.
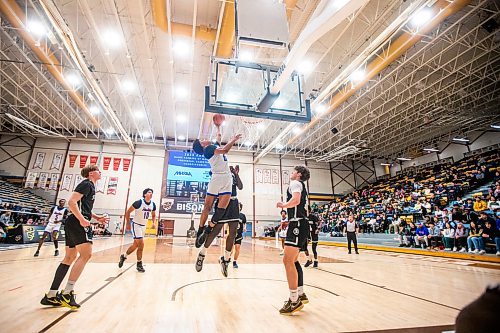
(228, 146)
(128, 212)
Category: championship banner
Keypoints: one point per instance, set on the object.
(101, 183)
(42, 180)
(72, 160)
(30, 179)
(267, 176)
(126, 164)
(93, 160)
(274, 176)
(285, 175)
(66, 182)
(54, 179)
(258, 175)
(56, 162)
(116, 163)
(106, 163)
(40, 157)
(78, 180)
(112, 185)
(83, 160)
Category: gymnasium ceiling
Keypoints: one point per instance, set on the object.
(134, 71)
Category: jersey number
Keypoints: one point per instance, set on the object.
(146, 215)
(224, 157)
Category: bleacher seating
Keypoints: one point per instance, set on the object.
(10, 193)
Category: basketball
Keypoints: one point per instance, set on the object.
(218, 119)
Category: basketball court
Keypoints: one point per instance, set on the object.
(348, 293)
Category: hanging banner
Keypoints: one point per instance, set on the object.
(72, 160)
(54, 179)
(285, 175)
(258, 175)
(116, 163)
(274, 176)
(40, 157)
(78, 180)
(83, 160)
(42, 181)
(93, 160)
(101, 183)
(126, 164)
(106, 163)
(267, 176)
(30, 179)
(66, 182)
(56, 162)
(112, 185)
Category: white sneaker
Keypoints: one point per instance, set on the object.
(455, 249)
(462, 249)
(498, 253)
(476, 251)
(482, 252)
(447, 249)
(471, 251)
(282, 252)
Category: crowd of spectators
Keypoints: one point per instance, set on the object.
(427, 208)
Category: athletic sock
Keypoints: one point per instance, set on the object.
(300, 290)
(52, 293)
(203, 251)
(70, 286)
(294, 295)
(227, 255)
(61, 271)
(125, 255)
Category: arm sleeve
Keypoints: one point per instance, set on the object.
(83, 188)
(209, 151)
(295, 186)
(154, 207)
(137, 204)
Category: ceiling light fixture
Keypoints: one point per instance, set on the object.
(181, 138)
(421, 17)
(431, 150)
(404, 159)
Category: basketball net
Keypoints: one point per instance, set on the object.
(252, 128)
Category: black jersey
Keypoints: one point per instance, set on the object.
(299, 211)
(241, 224)
(313, 221)
(86, 203)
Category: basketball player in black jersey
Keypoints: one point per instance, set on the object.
(78, 239)
(296, 238)
(314, 228)
(239, 236)
(231, 217)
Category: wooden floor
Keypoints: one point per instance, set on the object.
(372, 291)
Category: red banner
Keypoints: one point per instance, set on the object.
(116, 163)
(93, 160)
(106, 163)
(126, 164)
(72, 160)
(83, 160)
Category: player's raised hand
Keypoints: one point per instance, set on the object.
(237, 137)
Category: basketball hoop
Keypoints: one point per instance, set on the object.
(253, 128)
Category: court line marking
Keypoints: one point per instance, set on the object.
(174, 294)
(388, 289)
(64, 315)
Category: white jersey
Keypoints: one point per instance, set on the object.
(57, 215)
(143, 211)
(218, 162)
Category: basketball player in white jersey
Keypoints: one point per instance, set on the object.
(296, 238)
(56, 217)
(220, 184)
(144, 210)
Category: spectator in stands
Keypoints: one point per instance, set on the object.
(475, 239)
(460, 238)
(483, 218)
(479, 204)
(470, 216)
(469, 204)
(422, 234)
(5, 220)
(493, 203)
(396, 222)
(449, 237)
(434, 236)
(497, 234)
(490, 233)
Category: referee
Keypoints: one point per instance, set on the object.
(352, 229)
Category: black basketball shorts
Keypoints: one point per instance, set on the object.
(297, 233)
(232, 213)
(238, 239)
(75, 233)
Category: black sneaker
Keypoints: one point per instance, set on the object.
(140, 268)
(56, 253)
(52, 301)
(303, 298)
(37, 253)
(223, 265)
(357, 252)
(315, 264)
(235, 264)
(68, 300)
(308, 263)
(199, 262)
(122, 260)
(289, 308)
